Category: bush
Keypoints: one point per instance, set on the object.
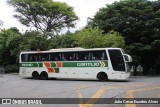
(12, 68)
(2, 70)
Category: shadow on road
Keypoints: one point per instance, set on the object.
(63, 79)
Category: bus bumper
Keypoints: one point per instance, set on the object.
(123, 76)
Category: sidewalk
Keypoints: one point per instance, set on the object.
(142, 76)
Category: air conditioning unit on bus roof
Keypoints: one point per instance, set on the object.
(76, 48)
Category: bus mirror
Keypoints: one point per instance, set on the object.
(127, 58)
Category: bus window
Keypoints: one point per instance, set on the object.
(24, 57)
(43, 57)
(117, 60)
(68, 56)
(33, 57)
(81, 56)
(55, 56)
(99, 55)
(104, 55)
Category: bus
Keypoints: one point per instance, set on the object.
(76, 63)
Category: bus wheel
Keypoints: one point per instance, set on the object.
(44, 75)
(35, 75)
(102, 76)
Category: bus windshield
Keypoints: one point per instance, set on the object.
(117, 60)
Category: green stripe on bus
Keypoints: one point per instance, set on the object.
(106, 63)
(40, 64)
(29, 64)
(56, 70)
(69, 64)
(53, 64)
(81, 64)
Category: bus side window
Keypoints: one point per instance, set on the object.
(55, 56)
(68, 56)
(95, 55)
(104, 56)
(99, 55)
(43, 57)
(56, 59)
(24, 57)
(33, 57)
(81, 56)
(77, 57)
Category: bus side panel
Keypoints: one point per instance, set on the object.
(27, 71)
(23, 72)
(81, 72)
(62, 73)
(85, 72)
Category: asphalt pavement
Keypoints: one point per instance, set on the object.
(15, 86)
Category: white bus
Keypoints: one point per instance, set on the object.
(78, 63)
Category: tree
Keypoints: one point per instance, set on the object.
(9, 42)
(14, 29)
(139, 23)
(12, 42)
(44, 15)
(89, 38)
(68, 41)
(32, 41)
(63, 41)
(94, 38)
(114, 39)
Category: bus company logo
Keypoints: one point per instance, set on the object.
(88, 64)
(6, 101)
(102, 64)
(27, 65)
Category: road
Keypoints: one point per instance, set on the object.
(15, 86)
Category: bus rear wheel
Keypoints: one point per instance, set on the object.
(35, 75)
(44, 76)
(102, 76)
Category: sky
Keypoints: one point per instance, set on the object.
(82, 8)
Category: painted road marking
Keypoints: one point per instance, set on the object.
(80, 98)
(91, 101)
(130, 94)
(98, 94)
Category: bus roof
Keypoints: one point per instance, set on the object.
(68, 50)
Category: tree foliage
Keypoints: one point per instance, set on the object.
(63, 41)
(14, 29)
(114, 39)
(8, 41)
(94, 38)
(139, 22)
(33, 41)
(12, 43)
(44, 15)
(89, 38)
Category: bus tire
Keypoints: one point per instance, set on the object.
(102, 76)
(35, 75)
(44, 75)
